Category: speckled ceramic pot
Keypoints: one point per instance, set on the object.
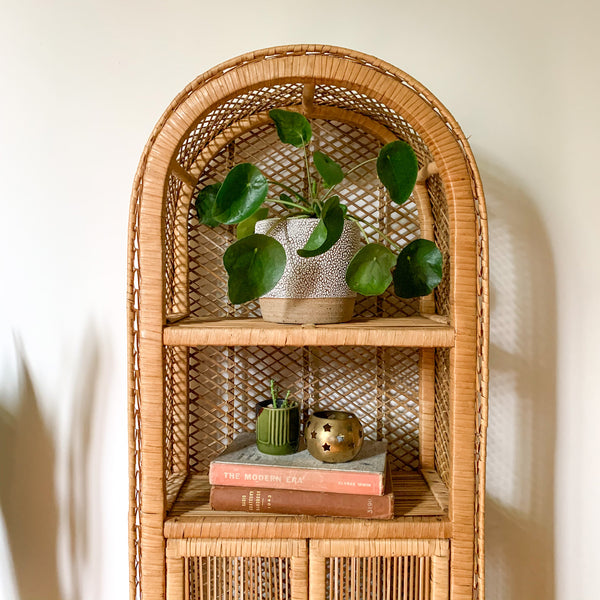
(311, 290)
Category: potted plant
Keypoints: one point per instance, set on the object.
(277, 423)
(310, 261)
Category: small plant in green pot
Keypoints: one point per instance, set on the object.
(300, 264)
(277, 423)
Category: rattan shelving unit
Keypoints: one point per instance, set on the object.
(414, 371)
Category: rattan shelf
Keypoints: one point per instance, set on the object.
(407, 332)
(421, 508)
(414, 371)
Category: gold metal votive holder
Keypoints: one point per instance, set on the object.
(333, 436)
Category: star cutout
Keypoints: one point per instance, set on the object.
(340, 438)
(327, 427)
(350, 444)
(326, 447)
(313, 434)
(360, 434)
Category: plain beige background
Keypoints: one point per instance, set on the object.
(82, 84)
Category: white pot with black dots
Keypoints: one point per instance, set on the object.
(311, 290)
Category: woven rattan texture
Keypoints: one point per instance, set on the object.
(169, 408)
(482, 391)
(378, 577)
(379, 385)
(441, 234)
(209, 577)
(361, 192)
(134, 399)
(175, 410)
(173, 194)
(442, 414)
(244, 105)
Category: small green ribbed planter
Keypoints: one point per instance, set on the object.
(277, 429)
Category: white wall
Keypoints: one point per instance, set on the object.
(82, 84)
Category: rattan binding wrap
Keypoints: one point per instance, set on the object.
(356, 103)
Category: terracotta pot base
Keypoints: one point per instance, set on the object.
(307, 310)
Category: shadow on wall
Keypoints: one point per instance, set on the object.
(80, 473)
(522, 430)
(28, 495)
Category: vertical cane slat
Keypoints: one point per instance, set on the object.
(439, 576)
(175, 578)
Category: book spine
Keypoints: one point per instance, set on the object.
(314, 480)
(259, 500)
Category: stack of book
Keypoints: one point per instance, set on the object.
(244, 479)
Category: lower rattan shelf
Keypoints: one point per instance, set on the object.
(421, 509)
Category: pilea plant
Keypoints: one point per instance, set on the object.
(256, 262)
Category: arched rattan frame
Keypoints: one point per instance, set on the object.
(450, 151)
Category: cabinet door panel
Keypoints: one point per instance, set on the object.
(378, 569)
(218, 569)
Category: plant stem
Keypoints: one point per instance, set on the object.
(307, 169)
(290, 190)
(362, 164)
(309, 178)
(278, 220)
(330, 193)
(362, 230)
(298, 206)
(383, 235)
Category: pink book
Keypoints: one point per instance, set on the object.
(243, 465)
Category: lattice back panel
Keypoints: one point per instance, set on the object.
(380, 385)
(238, 577)
(378, 577)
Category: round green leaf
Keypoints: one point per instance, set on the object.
(243, 191)
(254, 264)
(328, 169)
(246, 227)
(370, 270)
(418, 269)
(397, 169)
(292, 127)
(327, 232)
(205, 205)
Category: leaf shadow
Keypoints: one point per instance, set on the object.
(37, 526)
(28, 493)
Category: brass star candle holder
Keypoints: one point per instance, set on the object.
(333, 436)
